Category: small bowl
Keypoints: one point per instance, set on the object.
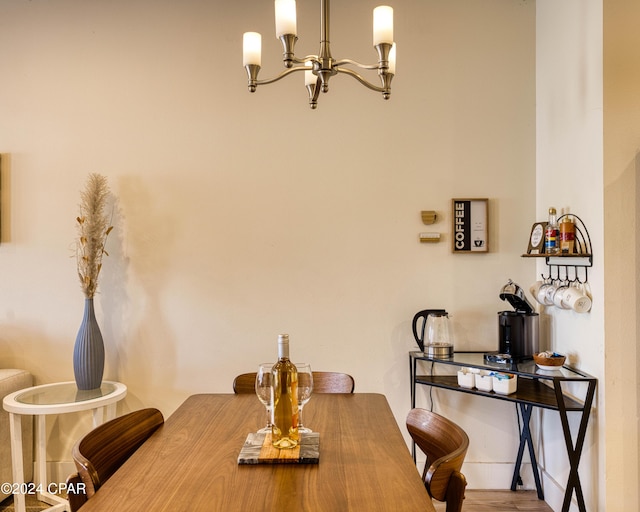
(550, 362)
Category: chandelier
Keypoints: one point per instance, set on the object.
(318, 69)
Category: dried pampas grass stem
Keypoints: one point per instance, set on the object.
(93, 229)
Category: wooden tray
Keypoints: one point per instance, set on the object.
(257, 449)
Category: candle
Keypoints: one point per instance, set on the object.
(251, 48)
(285, 17)
(382, 25)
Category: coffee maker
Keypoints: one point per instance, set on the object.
(517, 329)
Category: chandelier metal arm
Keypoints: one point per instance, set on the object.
(304, 60)
(255, 82)
(362, 80)
(280, 76)
(350, 62)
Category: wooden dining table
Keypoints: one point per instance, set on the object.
(191, 462)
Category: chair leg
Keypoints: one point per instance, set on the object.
(455, 492)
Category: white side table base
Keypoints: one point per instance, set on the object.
(103, 408)
(15, 428)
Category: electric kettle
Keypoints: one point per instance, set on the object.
(431, 331)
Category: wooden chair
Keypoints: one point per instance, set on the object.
(103, 450)
(323, 382)
(445, 445)
(245, 384)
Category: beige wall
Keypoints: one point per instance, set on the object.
(241, 216)
(581, 40)
(569, 176)
(622, 165)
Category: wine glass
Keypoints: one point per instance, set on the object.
(305, 388)
(263, 390)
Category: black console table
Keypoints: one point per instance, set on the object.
(536, 388)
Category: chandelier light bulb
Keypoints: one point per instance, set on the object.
(382, 25)
(251, 48)
(285, 17)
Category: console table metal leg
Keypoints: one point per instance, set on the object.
(412, 374)
(574, 452)
(525, 439)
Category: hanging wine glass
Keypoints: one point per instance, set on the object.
(263, 391)
(305, 388)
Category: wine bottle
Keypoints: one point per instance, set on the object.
(284, 432)
(551, 245)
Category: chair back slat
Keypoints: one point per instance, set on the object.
(245, 384)
(333, 382)
(323, 382)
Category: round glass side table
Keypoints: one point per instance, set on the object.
(39, 401)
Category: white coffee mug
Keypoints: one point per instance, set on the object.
(549, 292)
(576, 298)
(534, 289)
(559, 296)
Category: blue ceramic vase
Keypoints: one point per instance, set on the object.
(88, 352)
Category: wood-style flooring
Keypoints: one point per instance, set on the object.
(475, 501)
(33, 505)
(499, 501)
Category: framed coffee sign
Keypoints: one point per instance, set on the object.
(470, 225)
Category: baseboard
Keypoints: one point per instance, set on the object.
(482, 475)
(492, 476)
(58, 472)
(554, 494)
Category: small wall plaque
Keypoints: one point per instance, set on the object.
(536, 238)
(470, 226)
(428, 216)
(429, 237)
